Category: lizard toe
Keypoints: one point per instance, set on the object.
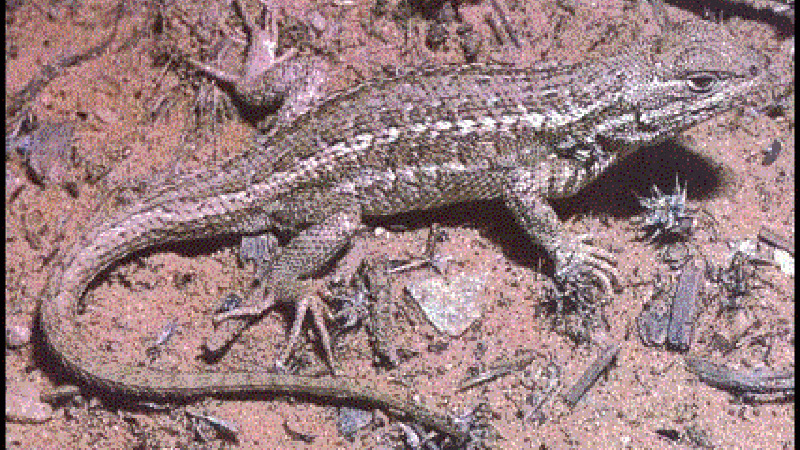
(580, 259)
(606, 274)
(229, 325)
(319, 313)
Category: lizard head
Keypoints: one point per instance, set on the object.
(687, 75)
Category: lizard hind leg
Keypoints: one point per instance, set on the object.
(290, 278)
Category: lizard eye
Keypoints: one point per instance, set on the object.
(701, 81)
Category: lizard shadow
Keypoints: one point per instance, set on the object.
(613, 194)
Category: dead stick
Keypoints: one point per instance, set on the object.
(592, 373)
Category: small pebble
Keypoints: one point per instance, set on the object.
(350, 420)
(107, 115)
(23, 405)
(17, 336)
(785, 261)
(317, 21)
(50, 153)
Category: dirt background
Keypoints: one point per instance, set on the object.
(134, 112)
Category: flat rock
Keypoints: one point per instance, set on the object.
(23, 405)
(450, 305)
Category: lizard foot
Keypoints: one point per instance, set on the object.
(580, 259)
(303, 304)
(229, 325)
(319, 313)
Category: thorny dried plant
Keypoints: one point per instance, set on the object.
(736, 277)
(473, 422)
(350, 301)
(666, 215)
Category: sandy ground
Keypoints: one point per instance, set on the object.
(133, 115)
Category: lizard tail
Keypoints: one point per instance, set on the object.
(63, 337)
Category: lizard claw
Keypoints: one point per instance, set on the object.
(319, 313)
(581, 259)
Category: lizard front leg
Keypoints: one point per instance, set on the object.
(288, 281)
(522, 190)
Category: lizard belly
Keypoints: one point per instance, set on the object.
(418, 188)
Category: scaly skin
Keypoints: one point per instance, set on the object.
(418, 141)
